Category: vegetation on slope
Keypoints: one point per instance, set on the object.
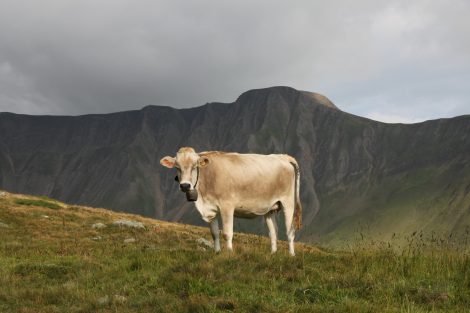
(433, 201)
(52, 260)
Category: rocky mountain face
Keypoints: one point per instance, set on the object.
(356, 174)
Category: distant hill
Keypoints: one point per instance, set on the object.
(357, 175)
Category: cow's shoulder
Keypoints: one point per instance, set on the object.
(221, 155)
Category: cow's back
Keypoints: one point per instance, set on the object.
(247, 180)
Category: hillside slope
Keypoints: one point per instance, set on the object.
(52, 259)
(354, 171)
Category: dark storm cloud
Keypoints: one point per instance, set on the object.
(389, 60)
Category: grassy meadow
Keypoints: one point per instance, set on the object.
(53, 260)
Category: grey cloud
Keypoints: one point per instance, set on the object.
(372, 58)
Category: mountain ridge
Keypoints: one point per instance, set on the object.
(112, 159)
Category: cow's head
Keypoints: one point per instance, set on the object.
(187, 163)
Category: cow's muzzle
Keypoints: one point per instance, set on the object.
(185, 187)
(191, 195)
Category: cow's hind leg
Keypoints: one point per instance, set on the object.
(288, 208)
(215, 233)
(272, 226)
(227, 223)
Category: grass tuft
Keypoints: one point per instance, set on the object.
(40, 203)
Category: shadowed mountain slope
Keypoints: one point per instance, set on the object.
(355, 172)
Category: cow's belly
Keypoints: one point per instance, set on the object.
(254, 211)
(209, 211)
(244, 214)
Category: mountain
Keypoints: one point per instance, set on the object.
(358, 176)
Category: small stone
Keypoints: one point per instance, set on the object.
(69, 285)
(45, 216)
(205, 242)
(103, 300)
(97, 238)
(98, 226)
(13, 245)
(3, 225)
(119, 299)
(129, 240)
(128, 223)
(2, 194)
(443, 296)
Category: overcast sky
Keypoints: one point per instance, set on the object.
(394, 61)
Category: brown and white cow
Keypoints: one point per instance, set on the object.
(240, 185)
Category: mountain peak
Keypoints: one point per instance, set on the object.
(321, 99)
(288, 93)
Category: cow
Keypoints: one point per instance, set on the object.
(240, 185)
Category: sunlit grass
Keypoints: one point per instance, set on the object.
(51, 261)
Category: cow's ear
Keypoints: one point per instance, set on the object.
(203, 161)
(168, 161)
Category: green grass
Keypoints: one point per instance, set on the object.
(37, 202)
(54, 265)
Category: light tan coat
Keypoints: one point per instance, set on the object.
(241, 185)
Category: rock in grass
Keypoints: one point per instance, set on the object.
(3, 225)
(443, 296)
(130, 240)
(97, 238)
(98, 226)
(205, 242)
(119, 299)
(2, 194)
(128, 223)
(103, 300)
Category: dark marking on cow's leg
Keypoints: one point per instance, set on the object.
(214, 225)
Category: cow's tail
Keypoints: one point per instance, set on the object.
(298, 205)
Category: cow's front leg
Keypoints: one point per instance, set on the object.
(227, 221)
(214, 224)
(272, 226)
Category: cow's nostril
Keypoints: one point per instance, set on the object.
(185, 186)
